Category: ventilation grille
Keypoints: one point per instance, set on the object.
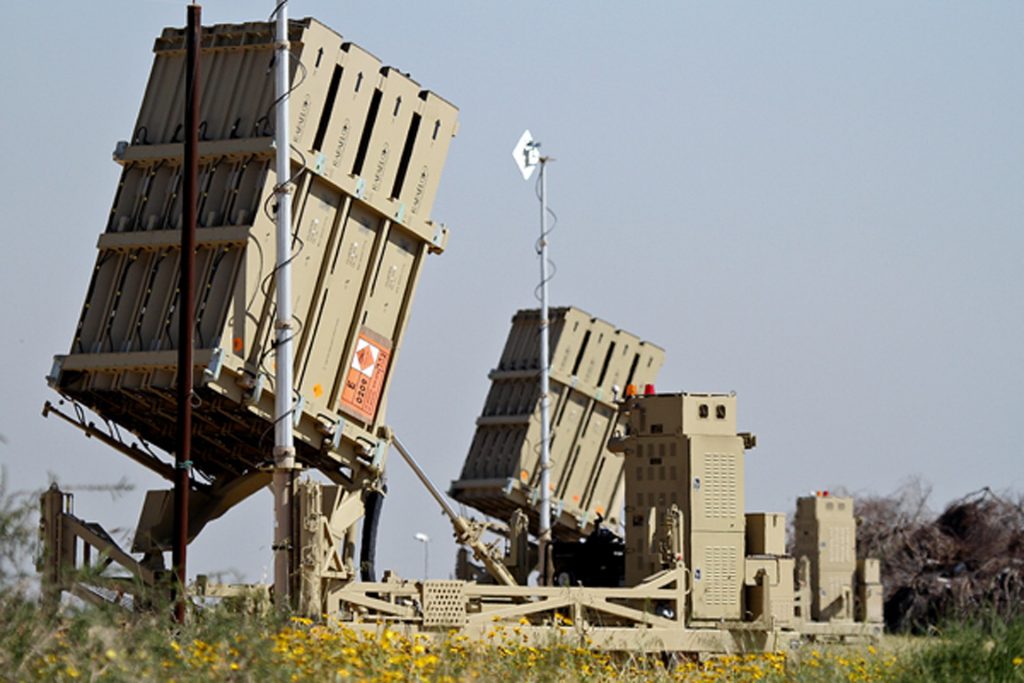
(721, 499)
(720, 574)
(841, 545)
(444, 604)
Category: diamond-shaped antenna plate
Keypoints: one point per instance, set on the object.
(526, 155)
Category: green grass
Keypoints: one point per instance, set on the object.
(986, 649)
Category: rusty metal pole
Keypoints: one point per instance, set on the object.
(187, 313)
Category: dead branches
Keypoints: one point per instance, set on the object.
(965, 562)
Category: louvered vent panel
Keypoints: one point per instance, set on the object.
(720, 574)
(720, 481)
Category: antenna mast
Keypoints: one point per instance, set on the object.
(527, 157)
(284, 441)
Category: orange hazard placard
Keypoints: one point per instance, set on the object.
(365, 379)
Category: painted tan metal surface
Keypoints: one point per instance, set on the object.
(646, 618)
(826, 534)
(591, 364)
(707, 597)
(76, 556)
(368, 148)
(869, 605)
(766, 533)
(772, 595)
(326, 516)
(682, 450)
(206, 503)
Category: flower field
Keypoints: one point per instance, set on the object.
(217, 645)
(225, 643)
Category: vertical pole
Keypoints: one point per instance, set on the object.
(545, 419)
(187, 312)
(284, 444)
(51, 505)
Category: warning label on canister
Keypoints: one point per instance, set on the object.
(365, 378)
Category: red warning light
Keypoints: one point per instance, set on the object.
(648, 390)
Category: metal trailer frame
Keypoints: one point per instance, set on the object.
(662, 612)
(649, 617)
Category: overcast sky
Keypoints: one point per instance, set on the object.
(817, 205)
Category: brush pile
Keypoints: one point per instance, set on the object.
(967, 561)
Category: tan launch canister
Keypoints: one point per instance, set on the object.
(592, 362)
(368, 147)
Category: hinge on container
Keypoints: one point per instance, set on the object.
(300, 401)
(380, 453)
(332, 431)
(320, 163)
(558, 508)
(400, 214)
(534, 496)
(440, 230)
(509, 483)
(120, 149)
(255, 387)
(360, 188)
(212, 371)
(54, 377)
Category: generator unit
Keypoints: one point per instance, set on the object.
(683, 462)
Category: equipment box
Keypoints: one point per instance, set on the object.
(766, 533)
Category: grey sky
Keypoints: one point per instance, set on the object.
(817, 205)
